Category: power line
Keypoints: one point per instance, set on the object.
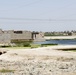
(24, 19)
(35, 2)
(61, 8)
(29, 19)
(29, 4)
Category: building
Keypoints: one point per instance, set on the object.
(38, 36)
(9, 36)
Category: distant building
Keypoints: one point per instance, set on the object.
(73, 34)
(6, 37)
(38, 36)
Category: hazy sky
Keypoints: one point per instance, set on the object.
(38, 15)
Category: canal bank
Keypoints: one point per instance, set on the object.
(59, 37)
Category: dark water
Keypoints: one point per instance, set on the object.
(60, 42)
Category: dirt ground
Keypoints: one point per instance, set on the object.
(39, 61)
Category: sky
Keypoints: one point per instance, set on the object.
(38, 15)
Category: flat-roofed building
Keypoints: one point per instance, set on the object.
(9, 36)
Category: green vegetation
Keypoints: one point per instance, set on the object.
(53, 34)
(4, 46)
(24, 44)
(5, 71)
(35, 45)
(72, 49)
(20, 44)
(45, 45)
(65, 39)
(58, 33)
(18, 47)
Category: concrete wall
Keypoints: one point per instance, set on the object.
(5, 38)
(8, 36)
(25, 35)
(39, 37)
(1, 32)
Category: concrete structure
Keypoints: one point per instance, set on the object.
(11, 35)
(5, 38)
(38, 36)
(19, 35)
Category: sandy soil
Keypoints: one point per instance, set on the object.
(60, 37)
(39, 61)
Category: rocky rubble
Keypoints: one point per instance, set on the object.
(2, 51)
(24, 62)
(36, 67)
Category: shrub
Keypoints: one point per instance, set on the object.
(5, 71)
(23, 44)
(42, 45)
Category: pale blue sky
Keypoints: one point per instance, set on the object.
(60, 15)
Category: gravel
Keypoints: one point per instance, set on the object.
(49, 62)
